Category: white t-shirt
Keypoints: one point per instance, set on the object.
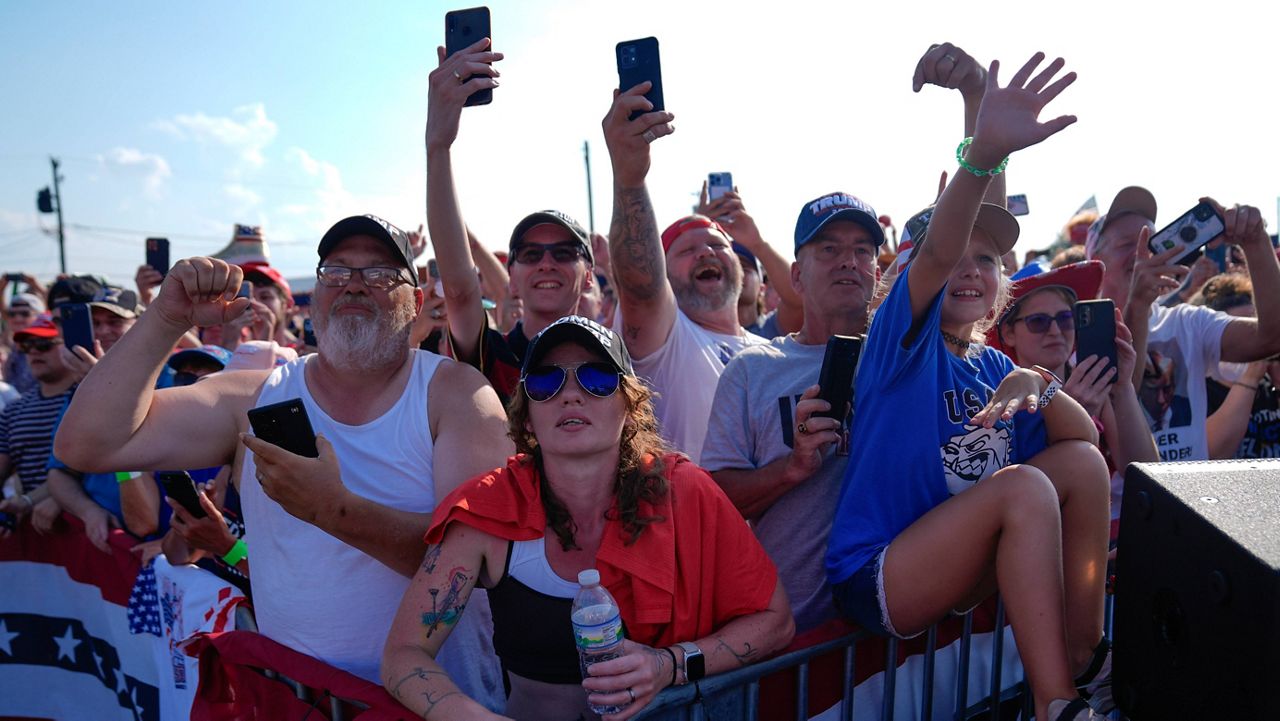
(1184, 344)
(683, 373)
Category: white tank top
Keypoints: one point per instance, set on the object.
(314, 593)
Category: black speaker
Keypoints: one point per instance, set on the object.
(1197, 611)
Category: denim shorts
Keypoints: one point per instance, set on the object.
(861, 598)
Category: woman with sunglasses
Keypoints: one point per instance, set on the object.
(592, 486)
(947, 499)
(1038, 329)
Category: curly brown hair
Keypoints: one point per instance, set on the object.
(1225, 291)
(640, 475)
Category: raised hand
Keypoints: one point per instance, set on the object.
(200, 292)
(450, 88)
(1010, 116)
(628, 140)
(947, 66)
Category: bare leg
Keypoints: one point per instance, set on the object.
(1079, 474)
(1011, 522)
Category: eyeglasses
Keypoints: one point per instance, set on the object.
(599, 379)
(40, 345)
(1038, 323)
(530, 253)
(376, 277)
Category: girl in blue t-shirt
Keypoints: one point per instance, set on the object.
(945, 500)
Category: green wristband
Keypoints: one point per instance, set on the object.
(964, 145)
(122, 476)
(238, 553)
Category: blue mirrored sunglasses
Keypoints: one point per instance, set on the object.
(544, 382)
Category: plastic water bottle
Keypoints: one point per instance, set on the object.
(597, 627)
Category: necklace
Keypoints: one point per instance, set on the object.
(954, 340)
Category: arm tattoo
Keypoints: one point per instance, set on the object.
(432, 558)
(432, 697)
(659, 657)
(449, 609)
(639, 267)
(747, 656)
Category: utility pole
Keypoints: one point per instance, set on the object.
(591, 208)
(57, 199)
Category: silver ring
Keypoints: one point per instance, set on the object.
(632, 694)
(649, 136)
(952, 58)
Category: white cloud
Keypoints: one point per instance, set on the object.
(154, 167)
(242, 199)
(332, 198)
(247, 131)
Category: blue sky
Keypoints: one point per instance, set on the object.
(182, 119)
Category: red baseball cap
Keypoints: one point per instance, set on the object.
(270, 274)
(41, 327)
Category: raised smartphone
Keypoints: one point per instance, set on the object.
(1096, 331)
(718, 184)
(309, 333)
(835, 380)
(638, 62)
(179, 486)
(1190, 232)
(1017, 204)
(77, 325)
(463, 28)
(158, 254)
(286, 425)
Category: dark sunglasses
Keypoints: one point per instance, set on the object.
(531, 253)
(599, 379)
(42, 345)
(1038, 323)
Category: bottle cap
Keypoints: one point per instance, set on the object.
(589, 577)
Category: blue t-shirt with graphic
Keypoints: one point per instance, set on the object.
(911, 446)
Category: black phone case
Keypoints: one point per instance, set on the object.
(1096, 330)
(179, 486)
(1199, 223)
(158, 254)
(836, 378)
(285, 425)
(77, 326)
(462, 28)
(638, 62)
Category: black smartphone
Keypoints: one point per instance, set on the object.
(718, 184)
(77, 325)
(1096, 330)
(638, 62)
(463, 28)
(308, 333)
(13, 277)
(286, 425)
(179, 486)
(836, 377)
(158, 254)
(1190, 232)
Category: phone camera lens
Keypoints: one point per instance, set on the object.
(1203, 213)
(1188, 234)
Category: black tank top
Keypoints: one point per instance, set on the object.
(532, 632)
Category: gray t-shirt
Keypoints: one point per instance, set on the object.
(752, 424)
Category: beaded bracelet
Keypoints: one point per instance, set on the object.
(964, 145)
(238, 553)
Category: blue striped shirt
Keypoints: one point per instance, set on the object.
(26, 434)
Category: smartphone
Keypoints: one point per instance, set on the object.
(1190, 232)
(638, 62)
(1096, 330)
(285, 425)
(77, 325)
(1017, 204)
(158, 254)
(718, 184)
(462, 28)
(308, 333)
(246, 290)
(179, 486)
(836, 377)
(13, 277)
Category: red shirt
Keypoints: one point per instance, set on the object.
(684, 577)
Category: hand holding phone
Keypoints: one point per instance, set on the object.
(836, 377)
(1190, 232)
(718, 184)
(179, 486)
(77, 326)
(637, 62)
(285, 425)
(462, 29)
(1095, 322)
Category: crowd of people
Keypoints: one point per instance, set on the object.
(646, 403)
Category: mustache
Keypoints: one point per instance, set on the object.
(353, 300)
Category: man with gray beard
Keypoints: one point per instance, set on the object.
(333, 540)
(678, 291)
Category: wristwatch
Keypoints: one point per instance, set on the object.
(694, 664)
(1053, 385)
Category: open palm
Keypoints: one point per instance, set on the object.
(1009, 118)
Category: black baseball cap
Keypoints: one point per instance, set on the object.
(586, 333)
(554, 217)
(371, 225)
(74, 289)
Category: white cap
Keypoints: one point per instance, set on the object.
(589, 577)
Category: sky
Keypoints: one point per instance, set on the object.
(181, 119)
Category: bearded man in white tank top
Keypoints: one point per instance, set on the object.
(332, 541)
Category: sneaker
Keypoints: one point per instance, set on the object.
(1076, 709)
(1095, 683)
